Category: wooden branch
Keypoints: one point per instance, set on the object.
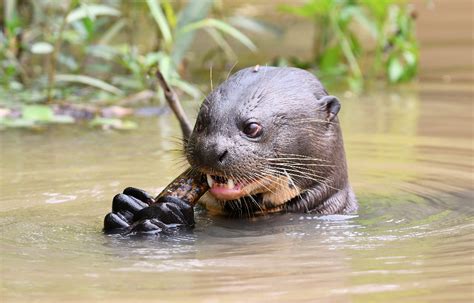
(175, 105)
(188, 187)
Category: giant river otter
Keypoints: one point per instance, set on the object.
(267, 140)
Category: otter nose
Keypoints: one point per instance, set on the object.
(222, 156)
(214, 155)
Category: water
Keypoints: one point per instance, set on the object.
(410, 158)
(410, 154)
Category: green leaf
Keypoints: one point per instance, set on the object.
(42, 48)
(186, 87)
(17, 123)
(89, 81)
(112, 31)
(331, 58)
(410, 57)
(41, 113)
(194, 10)
(166, 67)
(310, 9)
(224, 27)
(219, 39)
(91, 11)
(169, 13)
(161, 20)
(365, 21)
(395, 70)
(254, 25)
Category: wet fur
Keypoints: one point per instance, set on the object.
(299, 163)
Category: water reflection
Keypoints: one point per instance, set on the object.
(411, 162)
(411, 238)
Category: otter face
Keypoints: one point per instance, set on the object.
(265, 132)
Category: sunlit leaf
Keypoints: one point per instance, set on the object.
(160, 19)
(169, 13)
(395, 70)
(187, 88)
(254, 25)
(40, 113)
(89, 81)
(410, 57)
(361, 17)
(219, 39)
(310, 8)
(165, 66)
(152, 59)
(224, 27)
(42, 48)
(91, 11)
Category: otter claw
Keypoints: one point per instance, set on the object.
(139, 194)
(115, 222)
(125, 203)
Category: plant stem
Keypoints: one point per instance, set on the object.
(346, 49)
(173, 102)
(54, 55)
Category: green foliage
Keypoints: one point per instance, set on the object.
(35, 115)
(341, 50)
(86, 50)
(81, 42)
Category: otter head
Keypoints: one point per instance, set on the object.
(271, 132)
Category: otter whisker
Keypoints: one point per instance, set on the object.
(231, 69)
(260, 177)
(298, 157)
(248, 178)
(299, 171)
(296, 164)
(312, 177)
(210, 77)
(306, 120)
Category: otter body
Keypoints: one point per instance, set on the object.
(268, 140)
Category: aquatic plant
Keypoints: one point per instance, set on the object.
(87, 50)
(340, 46)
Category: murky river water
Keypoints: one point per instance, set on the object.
(410, 153)
(410, 157)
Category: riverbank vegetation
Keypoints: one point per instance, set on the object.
(66, 61)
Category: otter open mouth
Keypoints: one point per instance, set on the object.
(224, 188)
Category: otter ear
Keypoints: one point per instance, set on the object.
(332, 106)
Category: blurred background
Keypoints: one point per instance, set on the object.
(96, 59)
(82, 117)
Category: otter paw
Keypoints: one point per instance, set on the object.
(124, 207)
(166, 214)
(135, 211)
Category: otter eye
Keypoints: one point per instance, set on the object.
(253, 130)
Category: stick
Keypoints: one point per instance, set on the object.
(189, 186)
(175, 104)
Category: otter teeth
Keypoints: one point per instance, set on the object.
(210, 181)
(230, 184)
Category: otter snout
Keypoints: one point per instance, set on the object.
(213, 155)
